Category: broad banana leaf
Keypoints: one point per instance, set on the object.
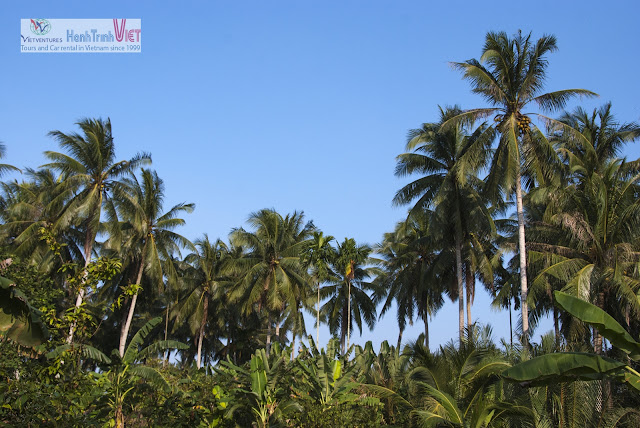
(602, 321)
(86, 351)
(19, 321)
(564, 367)
(258, 376)
(132, 351)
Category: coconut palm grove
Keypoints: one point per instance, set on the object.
(111, 316)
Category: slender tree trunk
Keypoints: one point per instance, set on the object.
(426, 330)
(166, 329)
(510, 326)
(556, 327)
(460, 282)
(523, 261)
(88, 248)
(349, 314)
(278, 331)
(124, 332)
(400, 338)
(125, 304)
(470, 283)
(627, 317)
(268, 334)
(203, 323)
(296, 329)
(343, 328)
(72, 329)
(318, 319)
(265, 289)
(597, 337)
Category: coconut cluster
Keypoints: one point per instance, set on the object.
(523, 123)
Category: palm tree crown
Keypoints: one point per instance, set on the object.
(149, 234)
(447, 160)
(348, 297)
(90, 172)
(207, 280)
(273, 278)
(510, 76)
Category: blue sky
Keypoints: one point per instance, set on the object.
(294, 105)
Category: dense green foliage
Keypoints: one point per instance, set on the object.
(110, 317)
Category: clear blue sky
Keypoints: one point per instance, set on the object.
(295, 105)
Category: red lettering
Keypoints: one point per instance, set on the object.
(120, 31)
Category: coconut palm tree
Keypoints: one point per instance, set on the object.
(148, 233)
(273, 275)
(586, 142)
(588, 232)
(30, 206)
(409, 257)
(208, 280)
(510, 77)
(447, 160)
(317, 256)
(348, 297)
(91, 172)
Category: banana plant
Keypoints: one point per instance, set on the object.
(325, 378)
(124, 372)
(389, 370)
(262, 386)
(570, 366)
(19, 321)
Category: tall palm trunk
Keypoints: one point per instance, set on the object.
(293, 346)
(470, 284)
(203, 323)
(265, 289)
(523, 261)
(343, 327)
(268, 343)
(510, 327)
(297, 330)
(278, 321)
(426, 329)
(318, 319)
(349, 314)
(597, 337)
(124, 332)
(556, 327)
(166, 332)
(400, 338)
(88, 248)
(460, 281)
